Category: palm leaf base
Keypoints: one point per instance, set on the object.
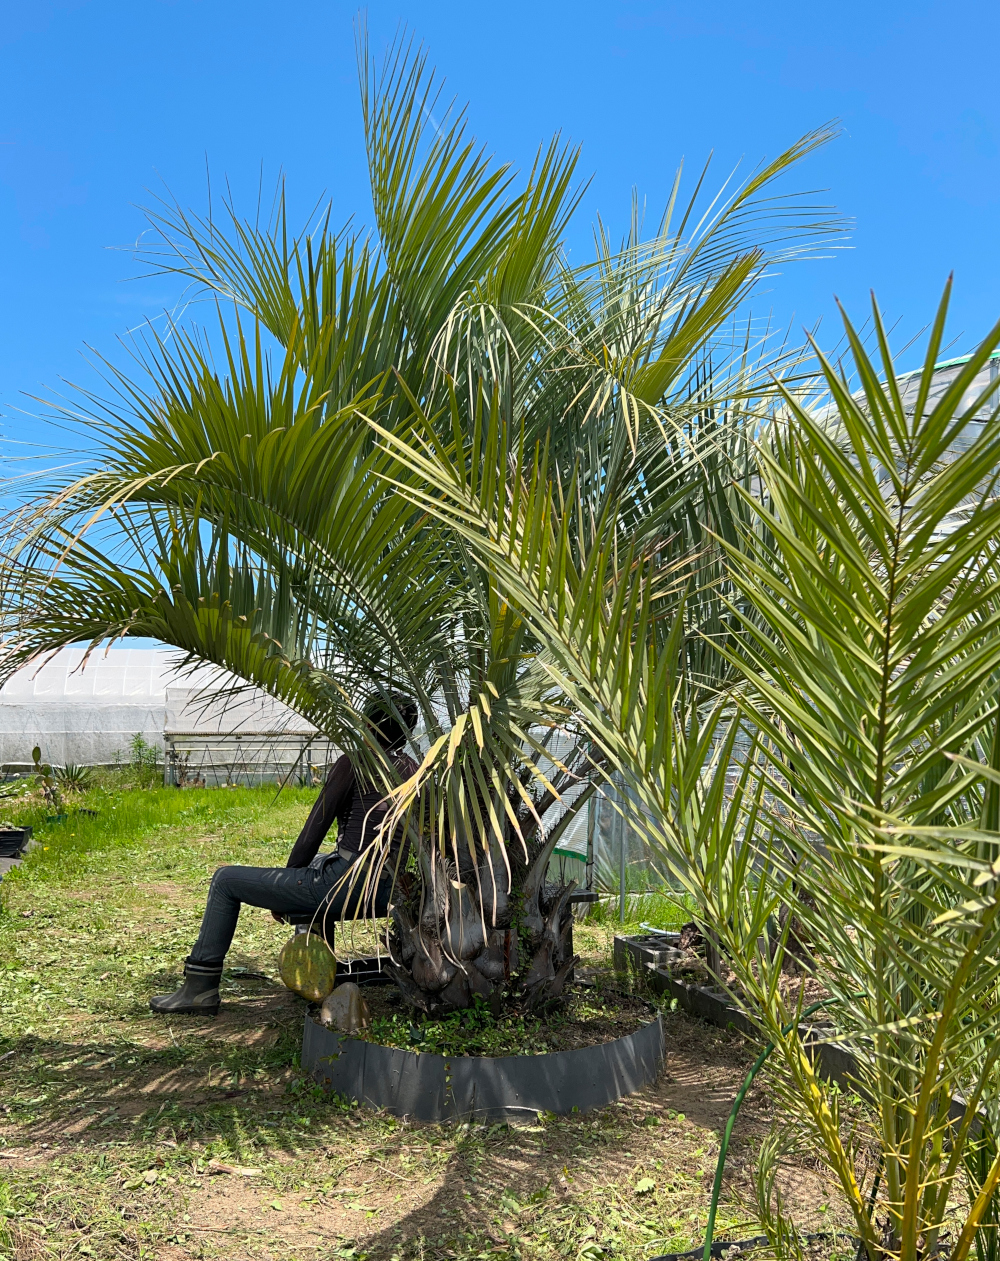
(443, 962)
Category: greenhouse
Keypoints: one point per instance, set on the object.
(85, 714)
(105, 708)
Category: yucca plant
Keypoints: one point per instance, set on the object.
(867, 592)
(245, 513)
(74, 778)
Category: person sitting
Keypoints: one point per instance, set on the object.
(311, 885)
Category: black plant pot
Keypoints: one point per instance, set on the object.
(13, 841)
(426, 1087)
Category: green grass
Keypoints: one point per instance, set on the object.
(139, 839)
(114, 1116)
(130, 815)
(669, 911)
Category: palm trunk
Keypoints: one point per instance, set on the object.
(458, 935)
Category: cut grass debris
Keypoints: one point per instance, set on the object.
(125, 1135)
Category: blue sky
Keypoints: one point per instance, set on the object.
(103, 100)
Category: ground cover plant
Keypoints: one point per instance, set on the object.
(585, 1017)
(124, 1136)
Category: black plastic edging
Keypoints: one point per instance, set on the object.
(836, 1062)
(433, 1088)
(719, 1249)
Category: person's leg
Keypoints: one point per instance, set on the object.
(349, 896)
(284, 890)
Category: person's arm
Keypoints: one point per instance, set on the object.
(328, 805)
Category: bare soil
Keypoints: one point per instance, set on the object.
(381, 1187)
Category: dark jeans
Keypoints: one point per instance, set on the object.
(295, 892)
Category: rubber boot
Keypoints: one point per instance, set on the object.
(198, 996)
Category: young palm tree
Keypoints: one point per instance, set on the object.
(866, 590)
(245, 513)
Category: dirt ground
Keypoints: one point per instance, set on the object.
(372, 1186)
(126, 1136)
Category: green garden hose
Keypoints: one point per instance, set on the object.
(737, 1103)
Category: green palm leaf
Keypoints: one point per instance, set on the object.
(865, 592)
(243, 509)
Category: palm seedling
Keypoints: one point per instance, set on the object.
(874, 679)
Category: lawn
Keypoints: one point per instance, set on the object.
(124, 1135)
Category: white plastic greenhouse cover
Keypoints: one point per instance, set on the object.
(89, 714)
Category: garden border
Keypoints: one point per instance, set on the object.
(835, 1061)
(425, 1087)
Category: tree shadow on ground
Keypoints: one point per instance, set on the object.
(63, 1087)
(156, 1113)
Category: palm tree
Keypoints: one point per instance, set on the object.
(245, 512)
(866, 656)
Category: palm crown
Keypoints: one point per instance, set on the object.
(244, 510)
